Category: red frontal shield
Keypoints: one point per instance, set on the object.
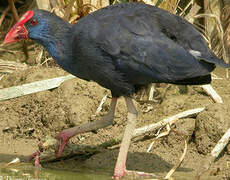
(18, 31)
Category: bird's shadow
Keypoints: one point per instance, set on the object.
(137, 161)
(106, 160)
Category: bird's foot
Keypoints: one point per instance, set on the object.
(35, 156)
(132, 174)
(119, 173)
(64, 137)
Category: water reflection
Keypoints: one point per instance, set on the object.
(27, 172)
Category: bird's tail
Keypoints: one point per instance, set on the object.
(216, 61)
(209, 57)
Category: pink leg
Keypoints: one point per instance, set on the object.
(36, 160)
(35, 156)
(120, 168)
(106, 120)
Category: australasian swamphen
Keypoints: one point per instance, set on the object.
(121, 47)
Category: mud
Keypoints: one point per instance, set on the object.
(27, 120)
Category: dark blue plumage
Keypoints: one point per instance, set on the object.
(125, 46)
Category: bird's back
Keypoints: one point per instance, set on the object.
(143, 19)
(135, 44)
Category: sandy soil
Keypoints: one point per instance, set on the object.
(27, 120)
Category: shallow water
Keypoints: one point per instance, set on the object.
(28, 172)
(25, 171)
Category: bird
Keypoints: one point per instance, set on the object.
(122, 47)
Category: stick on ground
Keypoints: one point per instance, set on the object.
(152, 127)
(101, 104)
(211, 92)
(16, 91)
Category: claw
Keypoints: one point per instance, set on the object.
(64, 137)
(119, 173)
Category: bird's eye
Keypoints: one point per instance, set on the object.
(33, 22)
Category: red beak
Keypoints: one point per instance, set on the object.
(18, 32)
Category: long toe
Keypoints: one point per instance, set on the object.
(119, 173)
(64, 138)
(140, 175)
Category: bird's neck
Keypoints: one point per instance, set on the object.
(59, 46)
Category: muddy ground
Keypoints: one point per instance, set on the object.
(25, 121)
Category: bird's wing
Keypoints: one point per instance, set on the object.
(142, 19)
(143, 52)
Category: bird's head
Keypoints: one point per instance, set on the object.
(18, 31)
(39, 25)
(45, 28)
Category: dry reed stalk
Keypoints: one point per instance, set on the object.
(4, 14)
(194, 10)
(221, 33)
(43, 4)
(16, 17)
(10, 66)
(170, 173)
(38, 59)
(68, 10)
(191, 3)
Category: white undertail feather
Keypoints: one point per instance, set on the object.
(196, 54)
